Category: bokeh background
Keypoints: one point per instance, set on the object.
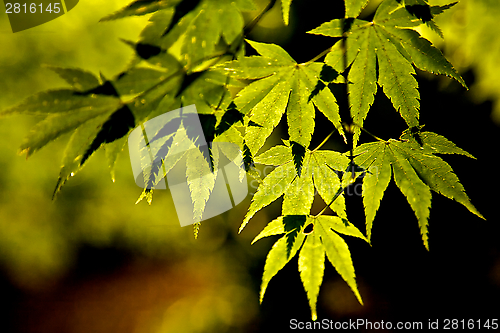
(93, 261)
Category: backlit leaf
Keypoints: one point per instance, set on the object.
(384, 51)
(338, 254)
(435, 143)
(354, 7)
(200, 180)
(276, 155)
(275, 227)
(311, 268)
(341, 226)
(277, 258)
(375, 181)
(326, 171)
(272, 187)
(416, 172)
(285, 8)
(281, 85)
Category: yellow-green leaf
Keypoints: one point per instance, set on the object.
(311, 268)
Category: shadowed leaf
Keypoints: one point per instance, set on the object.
(293, 224)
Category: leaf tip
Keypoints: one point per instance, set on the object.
(243, 224)
(196, 229)
(59, 185)
(22, 151)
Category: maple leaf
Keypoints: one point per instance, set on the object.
(285, 8)
(323, 239)
(298, 190)
(416, 172)
(281, 84)
(384, 51)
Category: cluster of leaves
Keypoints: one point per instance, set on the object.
(193, 52)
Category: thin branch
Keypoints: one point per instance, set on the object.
(249, 27)
(319, 55)
(324, 141)
(339, 192)
(364, 130)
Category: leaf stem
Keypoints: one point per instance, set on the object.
(319, 55)
(339, 192)
(248, 28)
(146, 140)
(324, 141)
(364, 130)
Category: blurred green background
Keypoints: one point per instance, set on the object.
(92, 261)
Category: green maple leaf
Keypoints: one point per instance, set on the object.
(275, 227)
(285, 8)
(354, 7)
(200, 181)
(416, 172)
(389, 44)
(158, 24)
(281, 85)
(311, 268)
(79, 79)
(323, 239)
(95, 113)
(326, 166)
(272, 187)
(277, 258)
(200, 27)
(337, 250)
(92, 111)
(298, 191)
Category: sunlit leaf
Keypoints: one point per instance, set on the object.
(384, 51)
(416, 172)
(375, 181)
(275, 227)
(435, 143)
(363, 76)
(281, 85)
(327, 183)
(285, 8)
(277, 258)
(311, 268)
(273, 186)
(276, 155)
(200, 181)
(341, 226)
(354, 7)
(77, 146)
(338, 254)
(293, 225)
